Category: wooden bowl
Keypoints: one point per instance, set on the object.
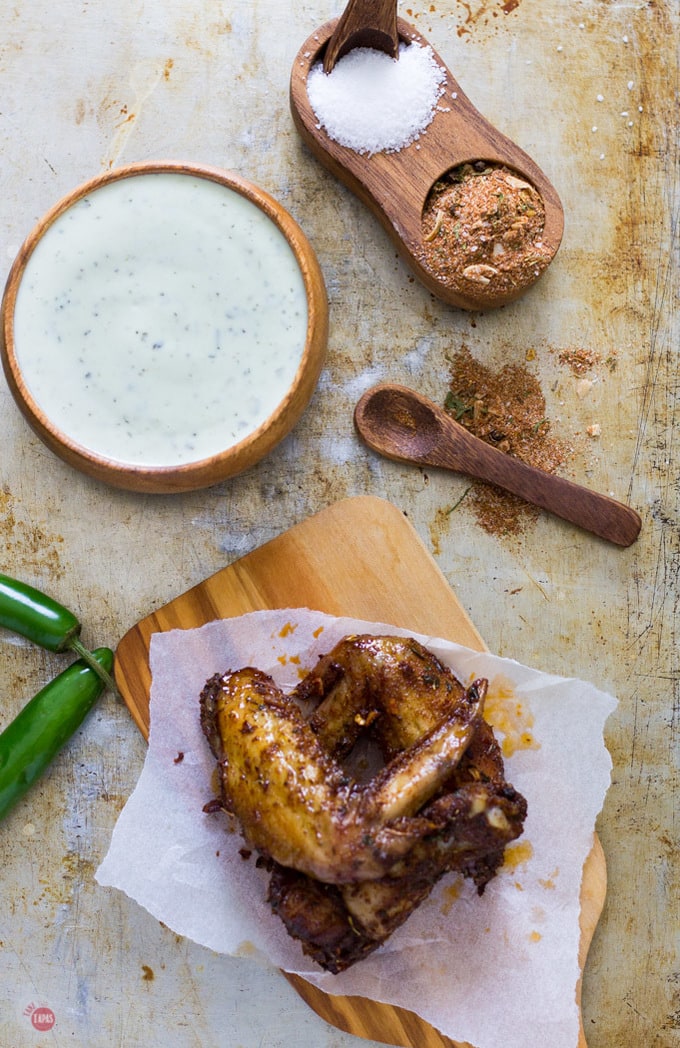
(395, 186)
(185, 372)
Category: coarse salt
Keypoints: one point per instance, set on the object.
(373, 103)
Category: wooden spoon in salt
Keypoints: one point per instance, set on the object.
(396, 185)
(364, 23)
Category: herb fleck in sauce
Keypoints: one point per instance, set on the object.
(161, 319)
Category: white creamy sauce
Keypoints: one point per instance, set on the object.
(160, 319)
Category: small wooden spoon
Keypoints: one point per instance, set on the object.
(395, 186)
(364, 23)
(406, 427)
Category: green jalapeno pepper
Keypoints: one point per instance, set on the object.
(30, 742)
(41, 619)
(36, 616)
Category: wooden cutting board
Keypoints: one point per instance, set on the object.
(360, 558)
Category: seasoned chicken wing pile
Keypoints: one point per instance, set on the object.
(350, 858)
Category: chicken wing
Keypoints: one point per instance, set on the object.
(351, 860)
(394, 685)
(297, 805)
(338, 925)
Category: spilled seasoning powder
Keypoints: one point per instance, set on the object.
(579, 360)
(506, 409)
(482, 228)
(373, 103)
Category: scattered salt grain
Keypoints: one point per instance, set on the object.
(373, 103)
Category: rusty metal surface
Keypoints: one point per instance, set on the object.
(590, 90)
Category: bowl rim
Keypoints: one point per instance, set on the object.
(236, 457)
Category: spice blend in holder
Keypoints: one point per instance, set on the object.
(470, 212)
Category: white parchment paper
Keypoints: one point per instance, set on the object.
(497, 971)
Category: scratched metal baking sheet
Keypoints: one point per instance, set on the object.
(588, 90)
